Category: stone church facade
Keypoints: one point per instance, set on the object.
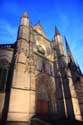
(37, 78)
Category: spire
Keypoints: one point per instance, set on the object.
(69, 53)
(56, 31)
(25, 14)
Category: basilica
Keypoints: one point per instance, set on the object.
(37, 78)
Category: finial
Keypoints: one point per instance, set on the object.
(57, 31)
(25, 14)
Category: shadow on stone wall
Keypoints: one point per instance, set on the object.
(63, 79)
(8, 87)
(36, 120)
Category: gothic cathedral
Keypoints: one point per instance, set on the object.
(37, 78)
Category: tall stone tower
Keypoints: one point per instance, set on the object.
(58, 55)
(67, 100)
(22, 96)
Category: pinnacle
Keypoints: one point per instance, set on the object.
(67, 46)
(25, 14)
(57, 31)
(69, 53)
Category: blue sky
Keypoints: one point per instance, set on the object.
(67, 15)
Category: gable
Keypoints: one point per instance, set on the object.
(39, 29)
